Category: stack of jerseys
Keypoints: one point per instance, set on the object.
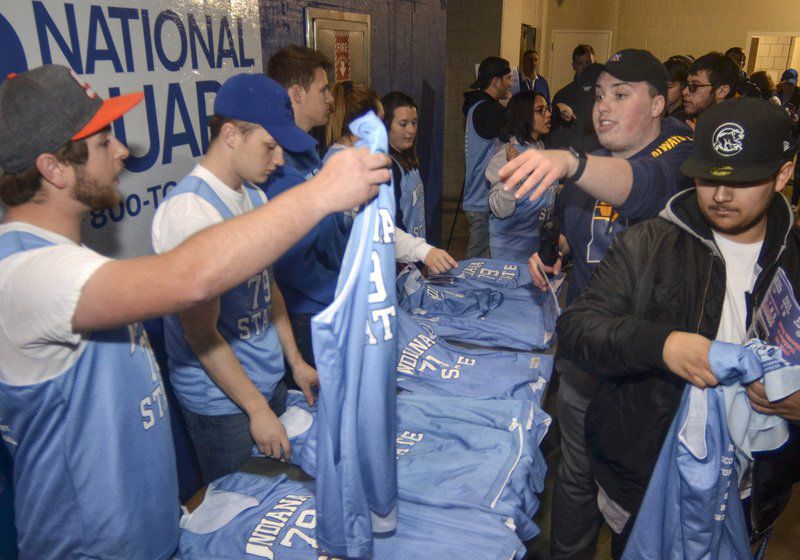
(464, 453)
(245, 516)
(429, 365)
(471, 306)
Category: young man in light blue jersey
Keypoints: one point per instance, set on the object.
(82, 405)
(225, 356)
(485, 116)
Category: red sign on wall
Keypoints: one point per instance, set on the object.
(341, 50)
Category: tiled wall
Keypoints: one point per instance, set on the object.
(773, 54)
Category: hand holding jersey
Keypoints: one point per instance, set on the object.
(48, 112)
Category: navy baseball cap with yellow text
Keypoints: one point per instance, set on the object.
(638, 65)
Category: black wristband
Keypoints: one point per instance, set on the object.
(581, 157)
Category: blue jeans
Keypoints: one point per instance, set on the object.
(223, 443)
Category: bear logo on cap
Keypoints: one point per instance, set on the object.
(727, 139)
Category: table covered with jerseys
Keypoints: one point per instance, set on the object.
(470, 373)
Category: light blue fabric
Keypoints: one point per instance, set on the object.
(477, 154)
(692, 510)
(250, 516)
(516, 237)
(429, 365)
(245, 322)
(412, 201)
(94, 462)
(355, 350)
(476, 453)
(735, 367)
(491, 272)
(520, 318)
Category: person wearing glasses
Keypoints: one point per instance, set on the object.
(713, 77)
(629, 180)
(677, 71)
(514, 224)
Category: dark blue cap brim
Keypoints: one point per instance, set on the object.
(291, 137)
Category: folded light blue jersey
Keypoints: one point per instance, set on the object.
(473, 453)
(298, 420)
(355, 350)
(691, 509)
(488, 272)
(246, 516)
(429, 365)
(522, 318)
(425, 532)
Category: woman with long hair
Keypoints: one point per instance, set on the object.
(401, 120)
(350, 102)
(514, 224)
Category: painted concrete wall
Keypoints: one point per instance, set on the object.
(473, 33)
(408, 54)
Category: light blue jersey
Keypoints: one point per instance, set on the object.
(476, 453)
(477, 154)
(355, 350)
(247, 517)
(425, 532)
(521, 318)
(412, 201)
(94, 463)
(516, 237)
(429, 365)
(244, 322)
(488, 272)
(692, 510)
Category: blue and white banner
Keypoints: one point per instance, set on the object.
(177, 52)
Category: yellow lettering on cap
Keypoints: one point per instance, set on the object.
(721, 171)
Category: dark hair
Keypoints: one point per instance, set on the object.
(529, 51)
(215, 126)
(349, 102)
(581, 50)
(764, 82)
(722, 71)
(519, 117)
(295, 65)
(677, 69)
(19, 188)
(391, 102)
(737, 50)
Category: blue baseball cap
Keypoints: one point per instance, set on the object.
(254, 98)
(790, 76)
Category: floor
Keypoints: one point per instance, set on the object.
(785, 541)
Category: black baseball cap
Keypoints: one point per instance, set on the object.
(491, 67)
(740, 140)
(638, 65)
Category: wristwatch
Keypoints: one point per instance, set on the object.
(581, 157)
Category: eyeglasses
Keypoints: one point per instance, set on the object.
(693, 87)
(543, 110)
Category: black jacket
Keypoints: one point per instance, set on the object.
(488, 117)
(662, 275)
